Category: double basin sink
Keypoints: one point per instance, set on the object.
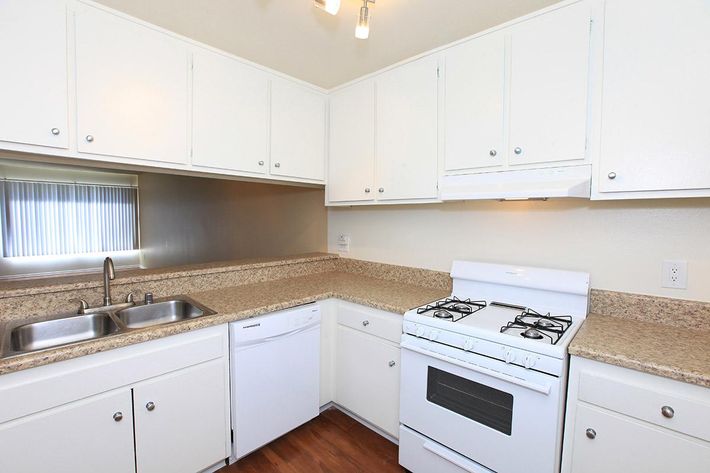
(83, 327)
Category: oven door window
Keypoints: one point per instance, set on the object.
(478, 402)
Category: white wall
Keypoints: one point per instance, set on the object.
(622, 244)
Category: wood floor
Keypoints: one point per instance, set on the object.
(332, 442)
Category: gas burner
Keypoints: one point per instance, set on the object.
(536, 326)
(452, 309)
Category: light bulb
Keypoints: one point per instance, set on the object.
(362, 30)
(330, 6)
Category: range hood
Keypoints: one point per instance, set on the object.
(568, 181)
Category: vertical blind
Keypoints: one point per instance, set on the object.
(43, 218)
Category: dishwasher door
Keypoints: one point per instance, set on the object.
(275, 375)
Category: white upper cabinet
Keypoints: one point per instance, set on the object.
(406, 150)
(473, 107)
(655, 125)
(230, 114)
(549, 61)
(33, 81)
(297, 131)
(352, 143)
(132, 89)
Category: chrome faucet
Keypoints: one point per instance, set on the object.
(109, 274)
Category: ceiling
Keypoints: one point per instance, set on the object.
(293, 37)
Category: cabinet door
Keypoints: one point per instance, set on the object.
(229, 114)
(297, 131)
(549, 86)
(33, 82)
(406, 131)
(474, 92)
(367, 380)
(622, 444)
(655, 118)
(182, 420)
(132, 95)
(351, 159)
(94, 434)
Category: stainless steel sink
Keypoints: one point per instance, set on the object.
(53, 333)
(161, 313)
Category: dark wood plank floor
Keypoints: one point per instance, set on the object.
(332, 442)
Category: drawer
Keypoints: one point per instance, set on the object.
(420, 454)
(639, 396)
(372, 321)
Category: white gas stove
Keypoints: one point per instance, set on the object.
(484, 371)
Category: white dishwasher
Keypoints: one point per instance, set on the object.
(275, 375)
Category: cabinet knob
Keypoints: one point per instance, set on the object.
(612, 175)
(667, 412)
(118, 416)
(150, 406)
(493, 152)
(277, 165)
(381, 190)
(365, 323)
(89, 138)
(367, 190)
(261, 163)
(391, 364)
(591, 434)
(55, 131)
(518, 150)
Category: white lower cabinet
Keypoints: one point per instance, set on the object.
(620, 420)
(153, 407)
(92, 434)
(367, 367)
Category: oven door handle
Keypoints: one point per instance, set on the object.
(465, 464)
(541, 388)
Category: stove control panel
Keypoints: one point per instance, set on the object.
(509, 355)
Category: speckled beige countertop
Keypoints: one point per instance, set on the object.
(244, 301)
(674, 352)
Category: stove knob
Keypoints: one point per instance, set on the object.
(529, 361)
(509, 356)
(468, 344)
(420, 331)
(434, 335)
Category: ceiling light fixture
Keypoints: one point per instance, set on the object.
(362, 29)
(330, 6)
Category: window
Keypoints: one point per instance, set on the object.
(49, 218)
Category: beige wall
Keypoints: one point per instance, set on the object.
(193, 220)
(622, 244)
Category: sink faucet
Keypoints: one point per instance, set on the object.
(109, 274)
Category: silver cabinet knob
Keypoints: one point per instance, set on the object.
(391, 364)
(611, 175)
(381, 190)
(367, 190)
(667, 412)
(591, 434)
(365, 323)
(277, 165)
(150, 406)
(118, 416)
(261, 163)
(89, 138)
(55, 131)
(518, 150)
(493, 152)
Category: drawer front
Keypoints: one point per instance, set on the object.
(371, 321)
(641, 399)
(607, 442)
(420, 454)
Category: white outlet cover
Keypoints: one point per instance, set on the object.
(343, 243)
(675, 274)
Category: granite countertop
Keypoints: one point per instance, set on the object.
(673, 352)
(241, 302)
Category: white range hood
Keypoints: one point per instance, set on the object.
(568, 181)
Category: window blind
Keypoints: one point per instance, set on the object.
(45, 218)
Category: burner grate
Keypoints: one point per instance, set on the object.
(452, 308)
(536, 326)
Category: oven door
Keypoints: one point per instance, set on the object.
(501, 416)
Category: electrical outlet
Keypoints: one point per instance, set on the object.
(675, 274)
(343, 243)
